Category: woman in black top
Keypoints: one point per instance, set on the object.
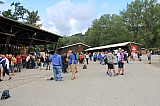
(41, 62)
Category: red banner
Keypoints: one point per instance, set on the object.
(134, 48)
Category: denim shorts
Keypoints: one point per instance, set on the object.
(120, 65)
(47, 63)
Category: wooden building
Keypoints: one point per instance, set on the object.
(14, 34)
(127, 46)
(77, 48)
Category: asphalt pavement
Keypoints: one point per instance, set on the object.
(92, 87)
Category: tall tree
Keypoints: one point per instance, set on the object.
(32, 18)
(22, 14)
(18, 12)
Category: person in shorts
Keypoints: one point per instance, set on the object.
(72, 62)
(110, 58)
(5, 65)
(120, 56)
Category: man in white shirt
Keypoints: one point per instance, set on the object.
(5, 65)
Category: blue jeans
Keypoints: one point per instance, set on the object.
(100, 60)
(57, 69)
(36, 63)
(19, 67)
(12, 67)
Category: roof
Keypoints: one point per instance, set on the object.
(74, 45)
(23, 33)
(111, 46)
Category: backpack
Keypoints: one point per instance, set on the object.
(84, 66)
(5, 95)
(105, 59)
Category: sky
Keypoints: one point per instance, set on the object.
(68, 17)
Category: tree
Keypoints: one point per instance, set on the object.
(32, 18)
(22, 14)
(18, 13)
(142, 18)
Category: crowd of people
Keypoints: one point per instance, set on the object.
(9, 64)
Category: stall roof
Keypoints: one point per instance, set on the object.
(74, 45)
(111, 46)
(23, 33)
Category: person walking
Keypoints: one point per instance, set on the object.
(64, 63)
(87, 58)
(100, 58)
(149, 56)
(94, 56)
(5, 65)
(19, 62)
(56, 63)
(120, 56)
(72, 62)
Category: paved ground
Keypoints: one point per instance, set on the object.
(138, 87)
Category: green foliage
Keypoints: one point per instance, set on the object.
(18, 13)
(22, 14)
(67, 40)
(140, 22)
(32, 18)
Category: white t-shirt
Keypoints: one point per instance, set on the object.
(87, 56)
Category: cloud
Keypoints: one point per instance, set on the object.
(4, 6)
(67, 18)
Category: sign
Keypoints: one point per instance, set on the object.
(134, 48)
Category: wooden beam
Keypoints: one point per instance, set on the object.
(7, 34)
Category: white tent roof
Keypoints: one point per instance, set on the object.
(74, 45)
(110, 46)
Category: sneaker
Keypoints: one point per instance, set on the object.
(110, 75)
(61, 80)
(107, 73)
(115, 75)
(122, 74)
